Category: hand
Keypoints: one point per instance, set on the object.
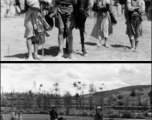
(136, 8)
(140, 10)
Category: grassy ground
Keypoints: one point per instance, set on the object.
(46, 117)
(13, 45)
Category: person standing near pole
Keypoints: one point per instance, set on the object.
(34, 27)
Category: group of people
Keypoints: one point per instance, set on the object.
(54, 115)
(70, 14)
(16, 116)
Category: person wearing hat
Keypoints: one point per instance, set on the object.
(53, 114)
(98, 115)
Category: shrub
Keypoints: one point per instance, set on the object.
(84, 114)
(140, 116)
(127, 114)
(145, 114)
(72, 114)
(114, 116)
(61, 113)
(91, 115)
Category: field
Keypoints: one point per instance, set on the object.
(13, 45)
(46, 117)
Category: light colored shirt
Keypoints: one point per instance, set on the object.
(33, 3)
(131, 5)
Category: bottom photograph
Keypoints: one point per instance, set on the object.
(76, 92)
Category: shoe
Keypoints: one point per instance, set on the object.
(37, 57)
(71, 56)
(66, 55)
(84, 53)
(107, 46)
(132, 49)
(60, 54)
(30, 59)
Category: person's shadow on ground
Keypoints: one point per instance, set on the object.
(52, 51)
(120, 46)
(90, 43)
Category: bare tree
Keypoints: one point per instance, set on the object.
(120, 102)
(77, 97)
(39, 97)
(139, 93)
(150, 97)
(77, 94)
(83, 88)
(101, 99)
(132, 94)
(67, 101)
(56, 89)
(92, 90)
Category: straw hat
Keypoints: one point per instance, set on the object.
(99, 108)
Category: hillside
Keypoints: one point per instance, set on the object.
(144, 89)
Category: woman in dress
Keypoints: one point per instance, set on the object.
(133, 13)
(103, 26)
(35, 26)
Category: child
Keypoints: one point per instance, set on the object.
(134, 10)
(19, 117)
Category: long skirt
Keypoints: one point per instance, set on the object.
(134, 30)
(103, 26)
(35, 27)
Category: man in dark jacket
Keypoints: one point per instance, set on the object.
(98, 115)
(53, 114)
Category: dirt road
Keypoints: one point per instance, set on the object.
(13, 45)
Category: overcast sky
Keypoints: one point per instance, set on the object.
(21, 77)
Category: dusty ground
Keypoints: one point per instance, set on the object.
(13, 45)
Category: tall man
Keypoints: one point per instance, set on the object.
(81, 16)
(53, 114)
(65, 20)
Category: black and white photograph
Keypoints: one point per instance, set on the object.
(76, 91)
(76, 30)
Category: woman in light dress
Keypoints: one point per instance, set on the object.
(103, 26)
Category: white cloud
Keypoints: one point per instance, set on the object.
(113, 83)
(21, 76)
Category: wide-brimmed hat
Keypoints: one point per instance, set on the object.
(53, 106)
(99, 108)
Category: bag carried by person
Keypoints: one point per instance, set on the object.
(95, 7)
(21, 6)
(113, 19)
